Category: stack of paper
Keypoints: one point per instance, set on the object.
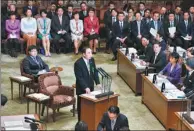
(39, 96)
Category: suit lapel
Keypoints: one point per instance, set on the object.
(85, 66)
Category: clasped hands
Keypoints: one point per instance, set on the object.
(122, 40)
(143, 63)
(61, 32)
(88, 89)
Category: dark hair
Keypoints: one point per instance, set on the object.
(126, 6)
(12, 13)
(43, 11)
(171, 13)
(53, 3)
(156, 12)
(28, 9)
(69, 5)
(114, 9)
(156, 43)
(114, 110)
(30, 48)
(75, 13)
(124, 128)
(91, 9)
(84, 50)
(185, 12)
(177, 6)
(137, 13)
(141, 3)
(147, 10)
(120, 13)
(59, 8)
(111, 3)
(81, 126)
(169, 3)
(130, 8)
(175, 55)
(83, 3)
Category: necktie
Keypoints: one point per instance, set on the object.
(156, 25)
(121, 25)
(44, 20)
(60, 19)
(186, 24)
(35, 60)
(112, 124)
(177, 18)
(155, 58)
(171, 24)
(113, 20)
(76, 25)
(138, 25)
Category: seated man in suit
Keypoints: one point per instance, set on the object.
(158, 26)
(60, 30)
(109, 27)
(120, 33)
(85, 73)
(172, 71)
(185, 29)
(147, 51)
(112, 120)
(32, 7)
(138, 29)
(33, 64)
(158, 60)
(171, 38)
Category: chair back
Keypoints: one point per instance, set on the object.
(49, 82)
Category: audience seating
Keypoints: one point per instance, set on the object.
(60, 96)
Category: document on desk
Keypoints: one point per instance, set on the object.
(92, 94)
(17, 128)
(185, 38)
(153, 32)
(13, 123)
(172, 30)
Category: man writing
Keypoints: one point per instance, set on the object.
(85, 73)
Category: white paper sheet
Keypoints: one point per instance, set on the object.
(172, 30)
(17, 128)
(153, 32)
(185, 38)
(13, 36)
(13, 123)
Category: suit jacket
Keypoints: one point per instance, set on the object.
(143, 29)
(173, 76)
(32, 68)
(160, 61)
(105, 123)
(40, 24)
(73, 26)
(84, 79)
(167, 25)
(107, 15)
(189, 83)
(117, 32)
(34, 10)
(68, 16)
(51, 14)
(163, 17)
(160, 27)
(182, 29)
(56, 26)
(147, 53)
(82, 16)
(178, 17)
(109, 24)
(88, 25)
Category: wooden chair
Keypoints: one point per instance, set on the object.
(60, 96)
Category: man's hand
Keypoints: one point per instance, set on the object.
(143, 63)
(63, 32)
(190, 37)
(87, 90)
(59, 32)
(189, 49)
(139, 36)
(172, 35)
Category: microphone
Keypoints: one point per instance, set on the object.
(154, 79)
(163, 87)
(32, 119)
(33, 125)
(27, 121)
(146, 71)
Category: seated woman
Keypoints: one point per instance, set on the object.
(172, 71)
(91, 29)
(33, 64)
(76, 26)
(13, 34)
(44, 26)
(29, 28)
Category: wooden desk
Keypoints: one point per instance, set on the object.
(164, 109)
(20, 118)
(183, 124)
(128, 72)
(92, 110)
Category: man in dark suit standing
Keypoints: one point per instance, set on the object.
(33, 64)
(185, 29)
(113, 120)
(163, 15)
(32, 7)
(139, 29)
(158, 60)
(60, 30)
(60, 4)
(83, 13)
(69, 13)
(107, 13)
(147, 52)
(85, 73)
(171, 38)
(52, 11)
(120, 33)
(109, 27)
(178, 15)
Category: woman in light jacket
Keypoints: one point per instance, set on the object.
(76, 26)
(44, 26)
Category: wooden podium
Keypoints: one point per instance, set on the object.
(92, 109)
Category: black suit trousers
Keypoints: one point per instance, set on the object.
(79, 107)
(66, 37)
(109, 40)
